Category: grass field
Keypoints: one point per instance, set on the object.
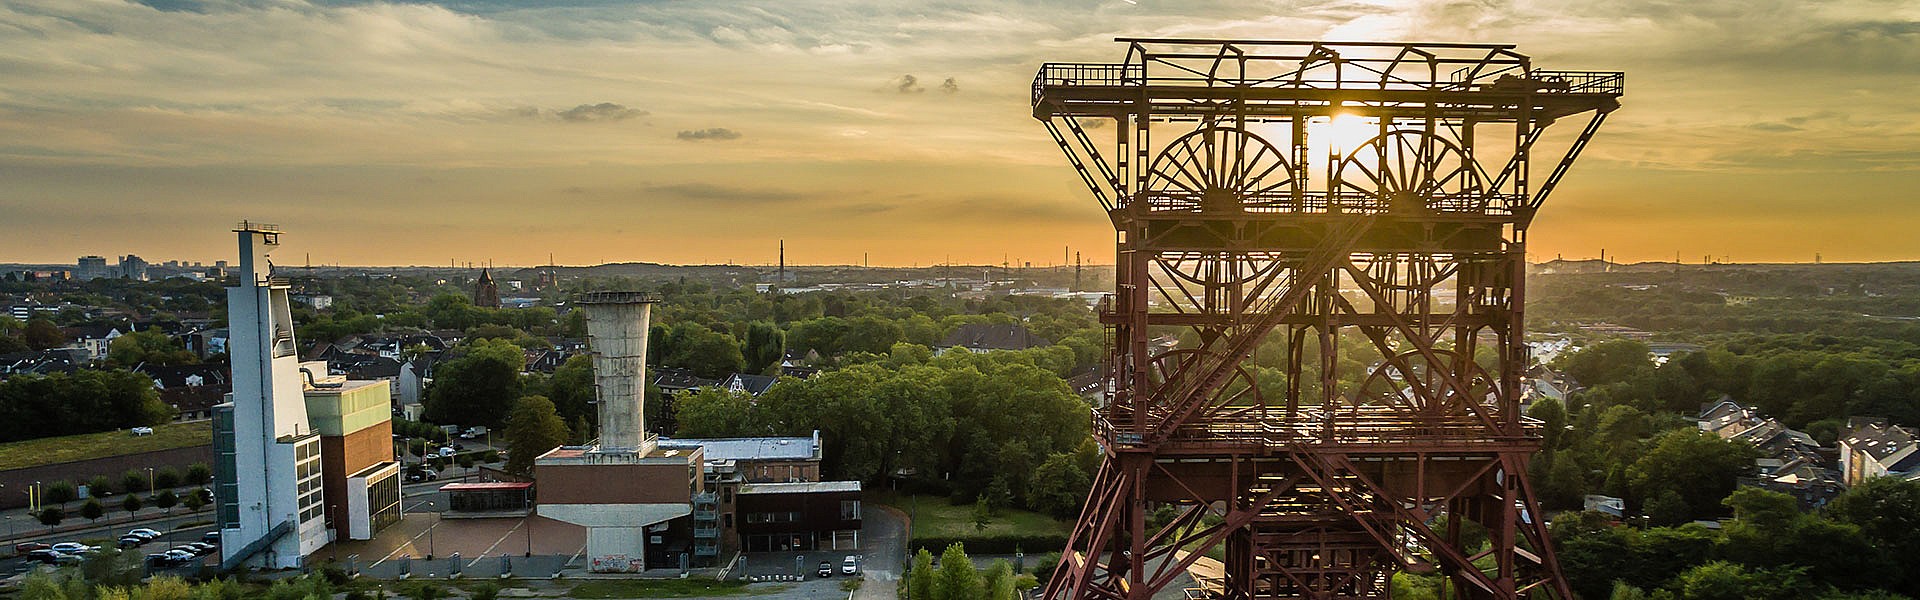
(934, 517)
(664, 588)
(44, 451)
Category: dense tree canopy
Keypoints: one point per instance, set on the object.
(532, 430)
(33, 406)
(478, 387)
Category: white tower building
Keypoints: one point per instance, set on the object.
(271, 511)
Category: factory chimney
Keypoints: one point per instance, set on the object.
(617, 333)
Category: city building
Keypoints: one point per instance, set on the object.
(132, 267)
(987, 337)
(92, 267)
(805, 516)
(274, 514)
(1876, 450)
(360, 477)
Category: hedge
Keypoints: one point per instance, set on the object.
(1032, 545)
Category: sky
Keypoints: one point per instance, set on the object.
(891, 131)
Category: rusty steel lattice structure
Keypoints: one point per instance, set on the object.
(1240, 211)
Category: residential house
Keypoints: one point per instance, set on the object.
(1880, 451)
(988, 337)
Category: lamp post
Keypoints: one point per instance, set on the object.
(150, 489)
(436, 523)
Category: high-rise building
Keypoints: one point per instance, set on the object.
(92, 267)
(269, 497)
(361, 479)
(132, 267)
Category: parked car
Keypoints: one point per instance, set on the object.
(73, 548)
(849, 566)
(25, 547)
(211, 537)
(200, 548)
(180, 556)
(142, 431)
(44, 556)
(826, 569)
(426, 475)
(131, 541)
(143, 532)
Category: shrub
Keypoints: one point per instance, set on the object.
(198, 474)
(100, 485)
(994, 544)
(133, 480)
(60, 492)
(166, 477)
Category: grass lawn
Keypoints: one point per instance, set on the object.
(43, 451)
(665, 588)
(934, 517)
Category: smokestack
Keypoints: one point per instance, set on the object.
(617, 332)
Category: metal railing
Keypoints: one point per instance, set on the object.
(1582, 82)
(1087, 75)
(706, 532)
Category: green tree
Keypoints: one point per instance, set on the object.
(533, 429)
(1698, 467)
(99, 485)
(52, 516)
(957, 579)
(1059, 486)
(572, 390)
(135, 480)
(1727, 581)
(41, 334)
(165, 500)
(92, 510)
(1887, 511)
(765, 345)
(697, 348)
(478, 388)
(194, 502)
(982, 514)
(132, 504)
(998, 582)
(166, 477)
(149, 347)
(1607, 362)
(920, 577)
(713, 412)
(61, 492)
(198, 474)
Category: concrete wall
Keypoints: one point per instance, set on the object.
(16, 481)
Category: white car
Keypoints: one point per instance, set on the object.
(849, 566)
(73, 548)
(144, 533)
(143, 431)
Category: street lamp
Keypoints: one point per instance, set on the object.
(150, 489)
(436, 523)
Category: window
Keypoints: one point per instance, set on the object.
(849, 510)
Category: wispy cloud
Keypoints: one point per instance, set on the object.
(711, 133)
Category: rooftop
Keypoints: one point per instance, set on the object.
(807, 487)
(755, 448)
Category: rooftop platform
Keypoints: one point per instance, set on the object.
(813, 487)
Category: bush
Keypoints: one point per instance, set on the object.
(199, 474)
(100, 485)
(133, 480)
(1043, 568)
(166, 477)
(60, 492)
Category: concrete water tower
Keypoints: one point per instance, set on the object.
(631, 495)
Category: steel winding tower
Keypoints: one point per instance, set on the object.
(1312, 191)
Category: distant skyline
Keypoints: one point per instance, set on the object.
(691, 132)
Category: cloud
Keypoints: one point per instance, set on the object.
(710, 133)
(722, 193)
(950, 86)
(908, 84)
(599, 113)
